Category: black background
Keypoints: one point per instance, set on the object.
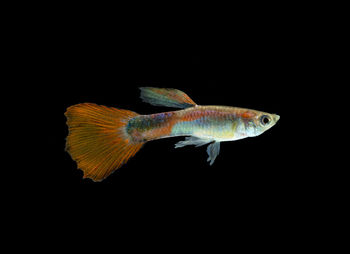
(109, 70)
(254, 59)
(253, 65)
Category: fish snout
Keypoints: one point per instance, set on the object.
(276, 118)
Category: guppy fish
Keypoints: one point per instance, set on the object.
(101, 139)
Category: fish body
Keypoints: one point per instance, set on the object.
(101, 139)
(219, 123)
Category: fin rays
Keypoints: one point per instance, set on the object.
(213, 149)
(167, 97)
(192, 141)
(97, 139)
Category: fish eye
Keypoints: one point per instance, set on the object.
(265, 120)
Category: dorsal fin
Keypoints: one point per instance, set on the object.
(167, 97)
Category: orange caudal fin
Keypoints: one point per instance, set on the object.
(97, 139)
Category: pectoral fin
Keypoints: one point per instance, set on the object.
(167, 97)
(213, 150)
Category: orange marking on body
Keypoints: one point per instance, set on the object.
(159, 128)
(164, 130)
(192, 115)
(248, 114)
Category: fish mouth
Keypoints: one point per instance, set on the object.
(277, 117)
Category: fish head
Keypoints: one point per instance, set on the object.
(259, 122)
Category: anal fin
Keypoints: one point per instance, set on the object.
(213, 151)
